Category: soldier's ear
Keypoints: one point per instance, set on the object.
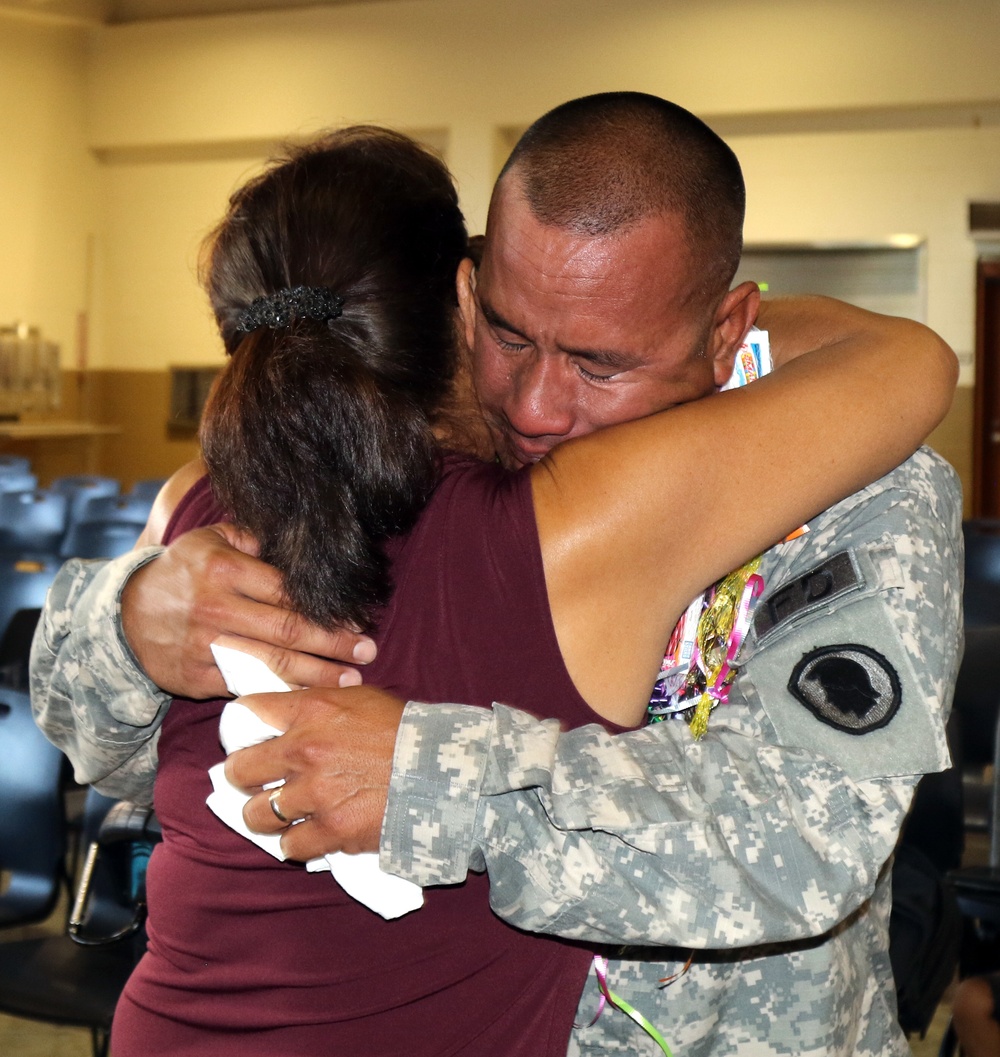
(733, 319)
(465, 286)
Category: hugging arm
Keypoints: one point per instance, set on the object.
(89, 694)
(773, 826)
(768, 828)
(118, 639)
(636, 520)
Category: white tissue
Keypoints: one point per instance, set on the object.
(359, 875)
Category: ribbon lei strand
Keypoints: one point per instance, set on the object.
(601, 971)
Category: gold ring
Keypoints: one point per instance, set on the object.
(272, 799)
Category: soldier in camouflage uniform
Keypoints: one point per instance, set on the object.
(762, 847)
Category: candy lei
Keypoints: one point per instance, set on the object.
(695, 677)
(698, 667)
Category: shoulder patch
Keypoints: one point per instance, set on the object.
(851, 687)
(820, 690)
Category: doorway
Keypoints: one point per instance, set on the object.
(986, 430)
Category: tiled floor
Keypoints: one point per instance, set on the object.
(930, 1046)
(24, 1038)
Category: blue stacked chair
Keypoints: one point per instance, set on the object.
(32, 523)
(107, 527)
(18, 481)
(149, 489)
(135, 508)
(100, 539)
(33, 820)
(981, 602)
(76, 977)
(14, 464)
(79, 489)
(24, 583)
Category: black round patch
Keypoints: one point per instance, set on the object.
(850, 687)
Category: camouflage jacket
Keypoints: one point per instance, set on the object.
(762, 848)
(88, 692)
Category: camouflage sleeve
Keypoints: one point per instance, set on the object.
(89, 694)
(772, 827)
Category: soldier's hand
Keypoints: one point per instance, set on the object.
(336, 759)
(207, 587)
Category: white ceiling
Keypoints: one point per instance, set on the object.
(118, 11)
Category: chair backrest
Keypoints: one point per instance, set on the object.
(17, 481)
(973, 722)
(24, 582)
(977, 693)
(77, 976)
(982, 571)
(14, 464)
(32, 819)
(15, 649)
(110, 900)
(117, 508)
(148, 489)
(32, 522)
(100, 539)
(79, 488)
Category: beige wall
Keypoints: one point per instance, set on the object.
(854, 123)
(157, 216)
(49, 202)
(473, 70)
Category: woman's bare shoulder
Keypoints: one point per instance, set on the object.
(166, 501)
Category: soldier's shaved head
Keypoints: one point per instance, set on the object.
(603, 163)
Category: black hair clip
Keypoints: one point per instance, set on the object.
(279, 309)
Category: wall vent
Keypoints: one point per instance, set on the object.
(984, 216)
(189, 389)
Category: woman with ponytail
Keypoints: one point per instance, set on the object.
(334, 273)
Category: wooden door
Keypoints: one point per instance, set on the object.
(986, 435)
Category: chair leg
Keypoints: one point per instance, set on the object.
(100, 1038)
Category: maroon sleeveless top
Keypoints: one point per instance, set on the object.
(249, 956)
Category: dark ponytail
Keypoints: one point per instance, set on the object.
(317, 437)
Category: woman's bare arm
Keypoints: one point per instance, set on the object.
(634, 521)
(808, 323)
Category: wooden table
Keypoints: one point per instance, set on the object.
(56, 430)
